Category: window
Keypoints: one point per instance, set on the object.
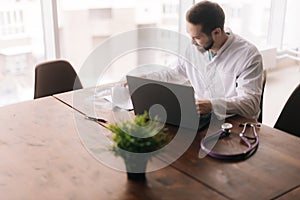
(291, 39)
(21, 47)
(83, 25)
(248, 18)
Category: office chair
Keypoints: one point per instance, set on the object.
(288, 119)
(54, 77)
(264, 79)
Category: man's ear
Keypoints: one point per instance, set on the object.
(217, 31)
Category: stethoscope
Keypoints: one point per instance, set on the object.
(250, 142)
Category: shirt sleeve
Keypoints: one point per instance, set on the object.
(248, 91)
(174, 74)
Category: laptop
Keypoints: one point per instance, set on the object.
(172, 103)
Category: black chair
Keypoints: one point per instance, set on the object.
(264, 79)
(54, 77)
(289, 117)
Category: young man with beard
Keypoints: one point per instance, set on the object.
(224, 69)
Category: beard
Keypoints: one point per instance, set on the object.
(207, 47)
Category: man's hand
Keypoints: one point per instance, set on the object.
(203, 106)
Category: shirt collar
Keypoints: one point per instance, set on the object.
(227, 43)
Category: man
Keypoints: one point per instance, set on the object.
(224, 69)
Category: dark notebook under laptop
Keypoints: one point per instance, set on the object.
(173, 103)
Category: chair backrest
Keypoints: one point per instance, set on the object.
(264, 79)
(289, 117)
(54, 77)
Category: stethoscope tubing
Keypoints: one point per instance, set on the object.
(252, 147)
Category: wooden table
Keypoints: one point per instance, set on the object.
(42, 157)
(272, 172)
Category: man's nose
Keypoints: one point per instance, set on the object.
(194, 42)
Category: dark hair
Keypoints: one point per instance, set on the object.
(207, 14)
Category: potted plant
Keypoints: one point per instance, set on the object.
(136, 141)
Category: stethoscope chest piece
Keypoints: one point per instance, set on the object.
(226, 128)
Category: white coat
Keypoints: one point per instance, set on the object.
(232, 80)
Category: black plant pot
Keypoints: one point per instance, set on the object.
(136, 176)
(136, 168)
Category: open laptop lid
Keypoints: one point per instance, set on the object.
(172, 103)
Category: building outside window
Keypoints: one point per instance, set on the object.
(21, 46)
(84, 25)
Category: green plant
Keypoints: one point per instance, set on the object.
(141, 135)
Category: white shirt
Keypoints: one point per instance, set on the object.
(232, 80)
